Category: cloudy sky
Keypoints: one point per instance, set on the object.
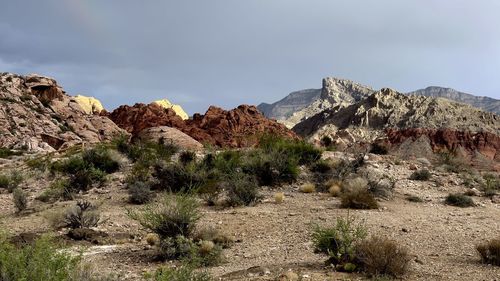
(229, 52)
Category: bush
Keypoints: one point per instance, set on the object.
(459, 200)
(414, 198)
(177, 178)
(359, 198)
(490, 185)
(11, 181)
(271, 168)
(326, 141)
(381, 256)
(379, 149)
(339, 241)
(83, 215)
(421, 175)
(182, 273)
(139, 193)
(41, 261)
(242, 190)
(6, 152)
(490, 251)
(307, 188)
(321, 167)
(20, 199)
(102, 158)
(176, 215)
(187, 157)
(148, 152)
(57, 189)
(304, 152)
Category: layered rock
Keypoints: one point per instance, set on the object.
(90, 105)
(286, 107)
(239, 127)
(36, 114)
(170, 135)
(485, 103)
(175, 107)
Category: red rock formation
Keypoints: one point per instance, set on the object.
(488, 144)
(239, 127)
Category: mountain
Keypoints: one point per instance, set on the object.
(295, 101)
(175, 107)
(301, 105)
(36, 114)
(485, 103)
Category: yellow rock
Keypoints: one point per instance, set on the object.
(90, 105)
(177, 108)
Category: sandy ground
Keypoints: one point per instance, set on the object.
(275, 238)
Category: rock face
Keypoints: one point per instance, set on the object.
(170, 135)
(177, 108)
(90, 105)
(239, 127)
(335, 93)
(432, 122)
(284, 108)
(485, 103)
(36, 114)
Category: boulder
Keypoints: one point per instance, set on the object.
(170, 135)
(90, 105)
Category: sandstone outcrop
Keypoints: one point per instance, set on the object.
(170, 135)
(37, 115)
(90, 105)
(175, 107)
(239, 127)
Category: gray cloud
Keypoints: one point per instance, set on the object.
(228, 52)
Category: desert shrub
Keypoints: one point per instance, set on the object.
(490, 185)
(86, 178)
(214, 235)
(279, 197)
(101, 158)
(177, 177)
(186, 157)
(359, 198)
(242, 190)
(176, 215)
(343, 169)
(326, 141)
(414, 198)
(82, 215)
(20, 199)
(321, 167)
(41, 163)
(149, 153)
(380, 149)
(139, 193)
(339, 241)
(381, 256)
(6, 152)
(459, 200)
(421, 175)
(304, 152)
(11, 181)
(307, 188)
(271, 168)
(183, 273)
(41, 261)
(382, 188)
(225, 162)
(58, 189)
(490, 251)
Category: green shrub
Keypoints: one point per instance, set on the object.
(380, 149)
(321, 167)
(381, 256)
(176, 215)
(177, 178)
(242, 190)
(304, 152)
(11, 181)
(41, 261)
(421, 175)
(459, 200)
(149, 152)
(82, 215)
(182, 273)
(271, 168)
(101, 158)
(326, 141)
(6, 152)
(139, 193)
(490, 251)
(359, 198)
(187, 157)
(20, 199)
(339, 241)
(414, 198)
(84, 179)
(490, 185)
(58, 189)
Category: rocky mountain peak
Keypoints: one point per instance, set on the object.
(175, 107)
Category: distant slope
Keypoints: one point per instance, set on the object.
(485, 103)
(290, 104)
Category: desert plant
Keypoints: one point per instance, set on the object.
(490, 185)
(176, 215)
(271, 168)
(11, 181)
(304, 152)
(326, 141)
(177, 178)
(307, 188)
(102, 158)
(490, 251)
(82, 215)
(359, 198)
(381, 256)
(20, 199)
(6, 152)
(186, 157)
(58, 189)
(421, 175)
(242, 189)
(380, 149)
(183, 273)
(321, 167)
(139, 193)
(339, 241)
(279, 197)
(414, 198)
(459, 200)
(41, 261)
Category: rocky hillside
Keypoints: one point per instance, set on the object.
(485, 103)
(37, 115)
(295, 101)
(371, 118)
(239, 127)
(298, 106)
(175, 107)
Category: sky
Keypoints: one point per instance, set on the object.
(228, 52)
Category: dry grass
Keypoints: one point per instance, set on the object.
(279, 197)
(308, 188)
(358, 199)
(381, 256)
(490, 251)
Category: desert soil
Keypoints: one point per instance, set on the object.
(274, 238)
